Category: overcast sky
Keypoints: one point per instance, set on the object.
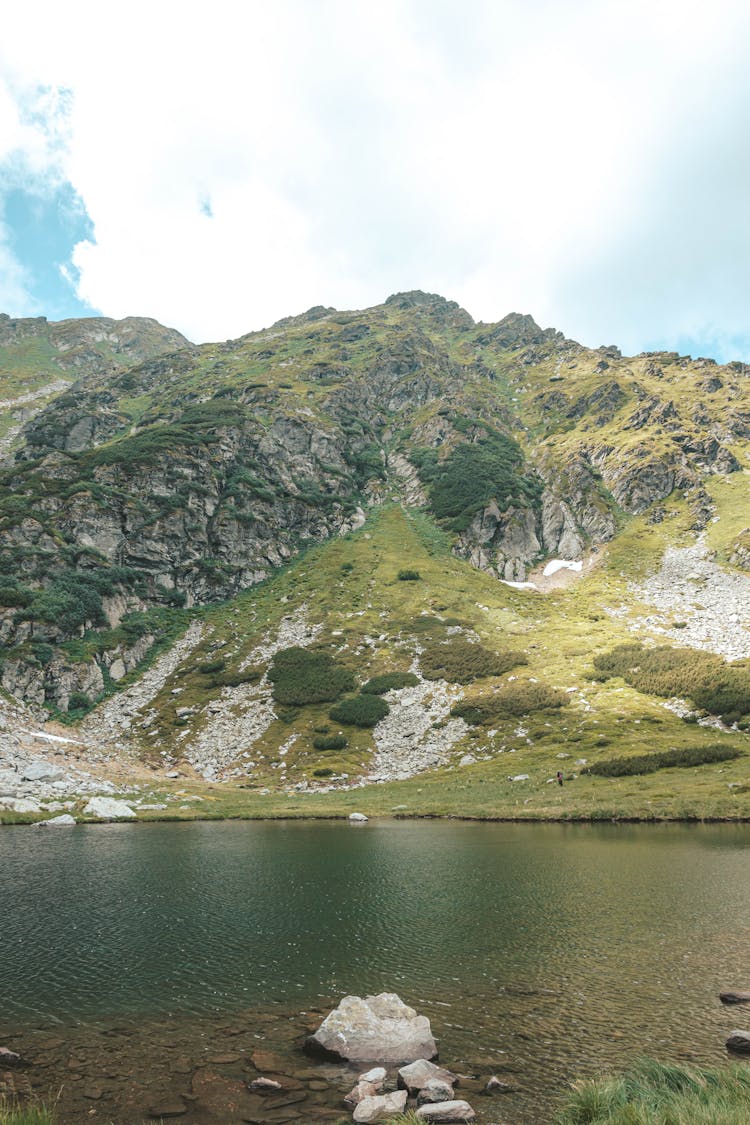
(218, 166)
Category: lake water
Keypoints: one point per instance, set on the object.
(539, 952)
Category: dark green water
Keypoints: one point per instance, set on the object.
(554, 950)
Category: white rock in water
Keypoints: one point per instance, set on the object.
(381, 1108)
(377, 1074)
(58, 821)
(359, 817)
(106, 808)
(374, 1029)
(40, 771)
(446, 1112)
(418, 1074)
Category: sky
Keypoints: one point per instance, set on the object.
(220, 166)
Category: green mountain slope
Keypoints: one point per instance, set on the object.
(264, 494)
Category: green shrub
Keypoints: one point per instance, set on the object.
(42, 652)
(409, 576)
(78, 701)
(460, 662)
(347, 568)
(389, 681)
(301, 675)
(473, 475)
(236, 679)
(667, 759)
(334, 742)
(708, 680)
(212, 666)
(519, 698)
(324, 771)
(14, 596)
(360, 711)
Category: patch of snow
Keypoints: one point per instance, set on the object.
(554, 565)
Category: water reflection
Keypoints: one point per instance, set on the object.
(554, 949)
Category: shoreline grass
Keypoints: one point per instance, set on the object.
(653, 1093)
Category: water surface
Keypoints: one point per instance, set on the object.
(546, 951)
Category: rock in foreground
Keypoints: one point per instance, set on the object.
(734, 997)
(381, 1108)
(446, 1112)
(739, 1041)
(416, 1076)
(374, 1029)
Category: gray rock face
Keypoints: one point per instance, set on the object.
(454, 1111)
(65, 820)
(416, 1076)
(374, 1029)
(381, 1107)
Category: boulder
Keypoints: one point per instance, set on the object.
(381, 1108)
(361, 1091)
(9, 1058)
(106, 808)
(264, 1086)
(65, 820)
(23, 804)
(40, 771)
(446, 1112)
(734, 997)
(739, 1041)
(357, 817)
(374, 1029)
(496, 1085)
(435, 1091)
(376, 1074)
(416, 1076)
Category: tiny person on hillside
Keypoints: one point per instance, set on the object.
(559, 777)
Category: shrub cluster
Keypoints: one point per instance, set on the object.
(666, 759)
(333, 742)
(473, 475)
(712, 684)
(460, 662)
(409, 576)
(389, 681)
(360, 711)
(74, 598)
(302, 675)
(211, 666)
(520, 698)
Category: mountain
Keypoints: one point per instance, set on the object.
(40, 359)
(218, 544)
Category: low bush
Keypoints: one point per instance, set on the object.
(667, 759)
(78, 701)
(709, 681)
(235, 679)
(389, 681)
(360, 711)
(473, 475)
(14, 596)
(212, 666)
(334, 742)
(301, 675)
(460, 662)
(409, 576)
(325, 771)
(519, 698)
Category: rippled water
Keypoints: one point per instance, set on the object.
(548, 951)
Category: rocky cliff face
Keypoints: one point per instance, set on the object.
(170, 475)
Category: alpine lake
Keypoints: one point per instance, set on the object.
(144, 967)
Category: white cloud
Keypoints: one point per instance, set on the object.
(577, 159)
